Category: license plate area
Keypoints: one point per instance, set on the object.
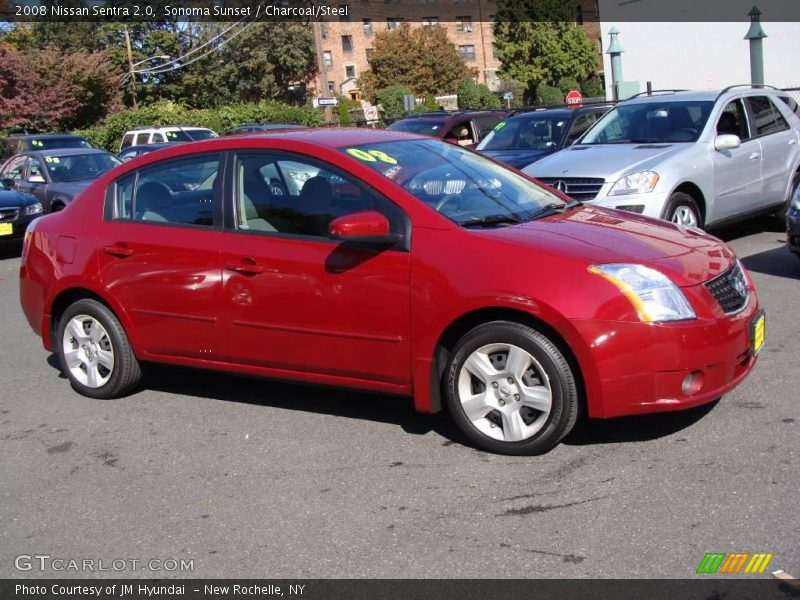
(758, 331)
(6, 228)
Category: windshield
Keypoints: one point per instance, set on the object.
(56, 143)
(525, 133)
(463, 186)
(651, 122)
(189, 135)
(79, 167)
(421, 126)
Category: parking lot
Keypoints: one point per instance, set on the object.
(249, 478)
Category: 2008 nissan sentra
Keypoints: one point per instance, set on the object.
(391, 262)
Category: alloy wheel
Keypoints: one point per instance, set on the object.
(88, 352)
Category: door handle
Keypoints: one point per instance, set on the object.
(118, 250)
(754, 156)
(246, 265)
(792, 142)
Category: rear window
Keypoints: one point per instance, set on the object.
(766, 118)
(421, 126)
(56, 143)
(189, 135)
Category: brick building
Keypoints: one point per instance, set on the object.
(344, 46)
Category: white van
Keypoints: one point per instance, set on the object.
(160, 135)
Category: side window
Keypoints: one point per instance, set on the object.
(158, 138)
(34, 168)
(127, 140)
(732, 121)
(579, 127)
(461, 133)
(141, 138)
(182, 192)
(486, 124)
(285, 194)
(15, 169)
(766, 119)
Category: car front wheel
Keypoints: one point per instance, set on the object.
(94, 351)
(681, 209)
(510, 390)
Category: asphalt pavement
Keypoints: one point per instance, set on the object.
(249, 478)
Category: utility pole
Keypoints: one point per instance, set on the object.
(756, 35)
(130, 67)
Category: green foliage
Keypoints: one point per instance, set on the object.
(476, 95)
(430, 103)
(391, 100)
(343, 110)
(110, 134)
(548, 94)
(537, 43)
(423, 59)
(593, 88)
(517, 90)
(567, 84)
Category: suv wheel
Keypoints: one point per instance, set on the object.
(681, 209)
(510, 390)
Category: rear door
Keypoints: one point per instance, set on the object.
(737, 172)
(159, 255)
(778, 149)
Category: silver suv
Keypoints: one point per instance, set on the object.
(694, 158)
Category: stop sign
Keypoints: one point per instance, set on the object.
(574, 98)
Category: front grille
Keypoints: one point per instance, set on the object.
(579, 188)
(8, 214)
(729, 289)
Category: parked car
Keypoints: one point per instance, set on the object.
(55, 177)
(160, 135)
(260, 128)
(547, 305)
(526, 137)
(132, 152)
(17, 210)
(694, 158)
(465, 128)
(17, 143)
(793, 222)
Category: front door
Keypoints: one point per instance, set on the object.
(159, 254)
(299, 301)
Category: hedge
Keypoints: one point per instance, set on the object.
(109, 135)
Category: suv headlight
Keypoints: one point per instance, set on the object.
(33, 209)
(653, 295)
(635, 183)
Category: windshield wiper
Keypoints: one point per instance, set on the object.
(489, 220)
(553, 208)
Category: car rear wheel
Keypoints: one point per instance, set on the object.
(681, 209)
(510, 390)
(94, 351)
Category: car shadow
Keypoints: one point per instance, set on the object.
(10, 250)
(385, 408)
(779, 262)
(765, 223)
(639, 428)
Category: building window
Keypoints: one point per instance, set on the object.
(464, 24)
(494, 52)
(391, 1)
(579, 15)
(393, 23)
(367, 25)
(428, 1)
(331, 88)
(327, 58)
(349, 71)
(467, 52)
(347, 43)
(370, 52)
(460, 1)
(430, 21)
(344, 14)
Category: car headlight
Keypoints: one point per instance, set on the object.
(653, 295)
(635, 183)
(33, 209)
(796, 199)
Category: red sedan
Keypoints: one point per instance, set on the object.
(389, 262)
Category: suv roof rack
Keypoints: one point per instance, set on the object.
(528, 109)
(755, 86)
(654, 93)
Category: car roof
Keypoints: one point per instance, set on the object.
(332, 137)
(152, 146)
(64, 152)
(161, 127)
(40, 136)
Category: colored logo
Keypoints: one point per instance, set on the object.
(734, 562)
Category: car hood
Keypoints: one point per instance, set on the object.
(595, 235)
(70, 188)
(605, 161)
(15, 199)
(516, 158)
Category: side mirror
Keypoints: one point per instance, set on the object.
(727, 141)
(35, 179)
(368, 226)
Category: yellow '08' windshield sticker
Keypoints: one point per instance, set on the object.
(500, 125)
(52, 159)
(37, 143)
(371, 155)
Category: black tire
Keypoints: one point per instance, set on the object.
(681, 200)
(564, 403)
(126, 372)
(57, 206)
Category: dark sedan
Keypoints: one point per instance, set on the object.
(55, 177)
(526, 137)
(793, 219)
(16, 143)
(132, 152)
(16, 211)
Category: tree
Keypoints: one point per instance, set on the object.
(391, 100)
(423, 59)
(476, 95)
(537, 43)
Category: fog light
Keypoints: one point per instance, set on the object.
(635, 208)
(692, 383)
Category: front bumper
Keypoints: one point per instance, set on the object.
(652, 204)
(793, 230)
(641, 367)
